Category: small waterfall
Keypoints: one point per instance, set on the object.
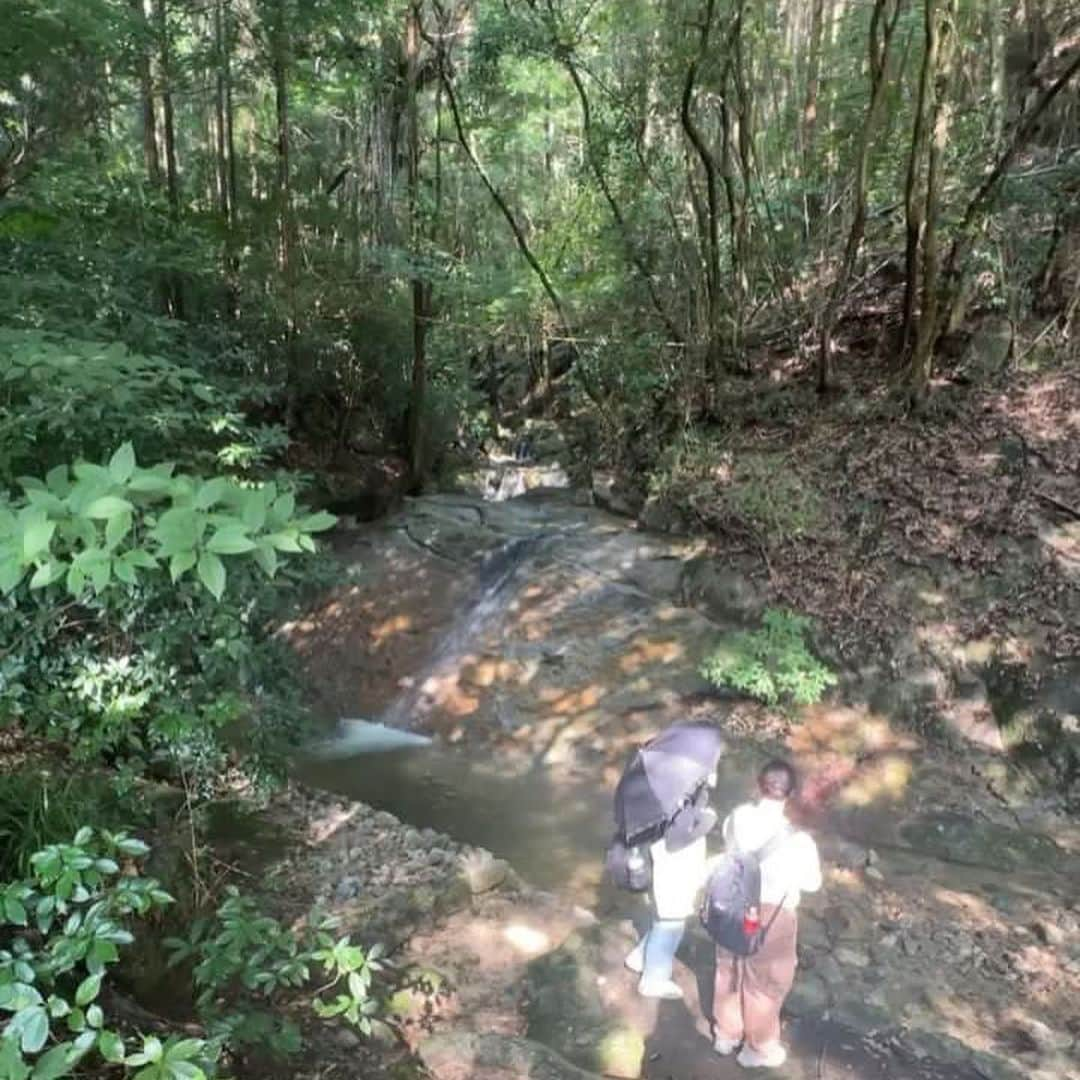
(491, 599)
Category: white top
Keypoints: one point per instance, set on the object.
(794, 868)
(677, 878)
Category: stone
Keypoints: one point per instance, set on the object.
(1047, 1040)
(482, 871)
(1049, 933)
(993, 1067)
(809, 996)
(952, 836)
(722, 590)
(852, 957)
(457, 1054)
(874, 873)
(662, 514)
(937, 1046)
(612, 494)
(862, 1016)
(348, 888)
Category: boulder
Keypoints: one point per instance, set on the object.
(724, 591)
(466, 1055)
(482, 871)
(566, 1011)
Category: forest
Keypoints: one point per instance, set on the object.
(798, 279)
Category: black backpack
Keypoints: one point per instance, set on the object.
(732, 888)
(629, 866)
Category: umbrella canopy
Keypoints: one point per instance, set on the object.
(662, 775)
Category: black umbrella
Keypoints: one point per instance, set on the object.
(662, 775)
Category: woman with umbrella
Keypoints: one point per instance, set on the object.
(662, 800)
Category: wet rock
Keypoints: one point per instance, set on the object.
(724, 592)
(613, 494)
(348, 888)
(957, 837)
(483, 872)
(809, 996)
(852, 957)
(936, 1046)
(1046, 1039)
(993, 1067)
(456, 1054)
(812, 932)
(862, 1016)
(565, 1010)
(662, 514)
(1049, 933)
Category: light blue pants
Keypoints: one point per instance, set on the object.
(661, 943)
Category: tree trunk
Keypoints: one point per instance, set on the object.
(941, 47)
(418, 391)
(172, 178)
(281, 65)
(882, 27)
(221, 160)
(914, 206)
(142, 12)
(711, 254)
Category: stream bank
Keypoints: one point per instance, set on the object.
(944, 939)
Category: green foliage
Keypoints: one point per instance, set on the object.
(63, 928)
(245, 961)
(39, 807)
(773, 664)
(64, 397)
(136, 600)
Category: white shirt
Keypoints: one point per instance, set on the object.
(677, 878)
(794, 868)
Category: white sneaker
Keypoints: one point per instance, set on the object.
(768, 1057)
(661, 988)
(725, 1047)
(635, 959)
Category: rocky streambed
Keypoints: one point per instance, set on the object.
(945, 943)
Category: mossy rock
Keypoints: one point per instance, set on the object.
(963, 840)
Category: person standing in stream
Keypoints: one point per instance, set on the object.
(749, 991)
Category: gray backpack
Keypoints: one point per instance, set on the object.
(733, 887)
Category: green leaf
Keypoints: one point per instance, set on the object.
(88, 989)
(11, 573)
(76, 580)
(56, 480)
(285, 541)
(11, 1062)
(133, 846)
(46, 574)
(107, 506)
(231, 540)
(211, 492)
(318, 522)
(184, 1050)
(254, 511)
(37, 533)
(111, 1047)
(283, 507)
(83, 836)
(94, 1016)
(33, 1026)
(14, 911)
(181, 563)
(117, 528)
(267, 559)
(123, 571)
(54, 1064)
(212, 573)
(122, 463)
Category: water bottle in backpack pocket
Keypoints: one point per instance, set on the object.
(731, 908)
(629, 866)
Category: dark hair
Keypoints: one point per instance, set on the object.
(777, 780)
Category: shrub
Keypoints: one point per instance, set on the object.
(244, 960)
(773, 664)
(136, 601)
(61, 929)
